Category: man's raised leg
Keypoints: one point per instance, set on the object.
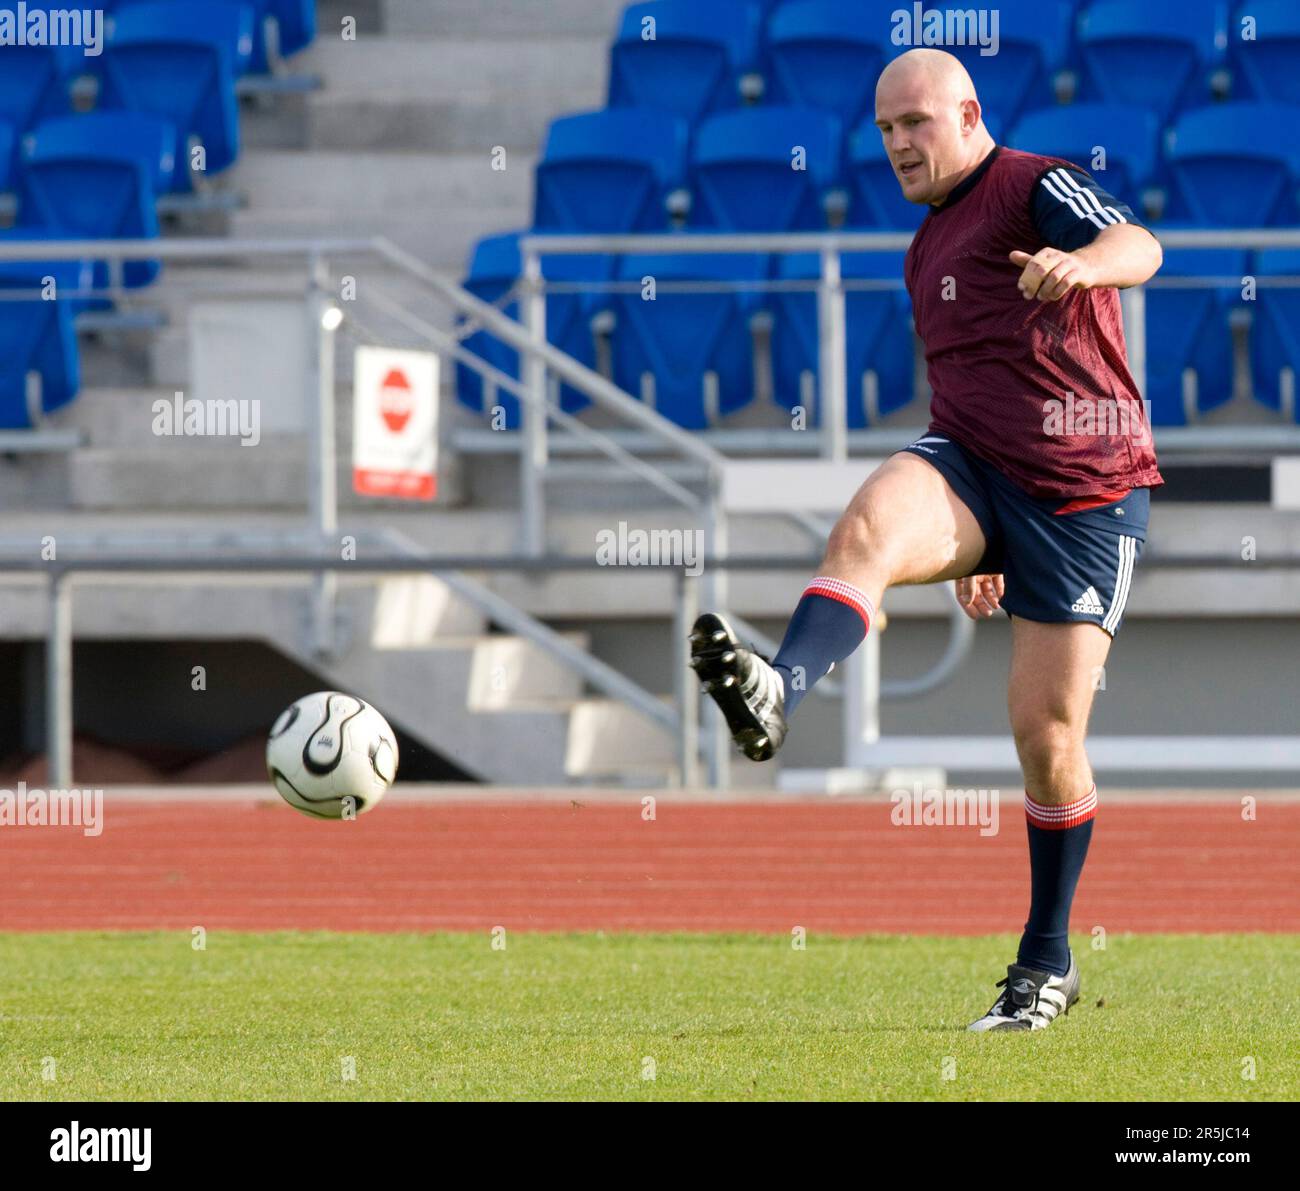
(905, 525)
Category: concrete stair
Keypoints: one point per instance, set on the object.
(607, 740)
(497, 705)
(535, 19)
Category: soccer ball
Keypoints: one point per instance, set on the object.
(331, 756)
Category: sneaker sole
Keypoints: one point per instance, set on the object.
(713, 658)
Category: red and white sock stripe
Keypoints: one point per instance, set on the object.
(846, 593)
(1058, 818)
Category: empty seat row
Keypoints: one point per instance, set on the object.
(691, 351)
(776, 168)
(165, 85)
(700, 56)
(177, 61)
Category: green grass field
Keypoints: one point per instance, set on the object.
(634, 1017)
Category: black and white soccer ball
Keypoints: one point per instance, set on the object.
(331, 756)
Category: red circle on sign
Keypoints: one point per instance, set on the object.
(396, 401)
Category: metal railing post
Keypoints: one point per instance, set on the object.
(533, 457)
(861, 701)
(686, 608)
(324, 459)
(833, 358)
(58, 683)
(717, 739)
(1133, 306)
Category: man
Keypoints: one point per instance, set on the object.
(1013, 277)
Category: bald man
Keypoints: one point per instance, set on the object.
(1030, 490)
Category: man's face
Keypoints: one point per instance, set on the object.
(922, 133)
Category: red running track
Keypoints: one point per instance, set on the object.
(545, 865)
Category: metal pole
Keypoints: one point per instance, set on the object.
(324, 461)
(58, 683)
(861, 701)
(1133, 306)
(833, 365)
(533, 458)
(686, 609)
(717, 739)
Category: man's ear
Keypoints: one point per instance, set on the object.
(971, 112)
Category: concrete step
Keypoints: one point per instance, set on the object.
(346, 184)
(509, 18)
(484, 67)
(417, 611)
(609, 739)
(443, 239)
(516, 674)
(196, 476)
(330, 14)
(461, 124)
(426, 692)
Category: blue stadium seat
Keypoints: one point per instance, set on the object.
(8, 144)
(35, 336)
(180, 62)
(1159, 54)
(1236, 164)
(98, 176)
(1275, 334)
(610, 171)
(1267, 66)
(743, 176)
(1189, 328)
(678, 338)
(827, 54)
(295, 23)
(35, 80)
(695, 60)
(1033, 45)
(1129, 136)
(494, 268)
(879, 337)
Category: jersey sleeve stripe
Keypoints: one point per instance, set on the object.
(1089, 199)
(1053, 187)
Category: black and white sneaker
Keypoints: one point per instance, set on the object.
(743, 684)
(1031, 999)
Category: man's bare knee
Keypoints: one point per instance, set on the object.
(857, 538)
(1051, 748)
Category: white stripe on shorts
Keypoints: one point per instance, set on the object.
(1124, 579)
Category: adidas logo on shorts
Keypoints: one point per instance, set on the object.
(1089, 602)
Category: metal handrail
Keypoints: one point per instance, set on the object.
(591, 669)
(597, 439)
(591, 384)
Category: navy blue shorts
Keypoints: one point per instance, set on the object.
(1058, 567)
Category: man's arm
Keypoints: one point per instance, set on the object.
(1120, 256)
(1093, 239)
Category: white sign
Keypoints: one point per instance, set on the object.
(395, 424)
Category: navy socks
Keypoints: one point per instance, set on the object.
(829, 623)
(1058, 845)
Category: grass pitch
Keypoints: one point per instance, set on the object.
(632, 1017)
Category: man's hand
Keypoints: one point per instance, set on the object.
(1051, 274)
(980, 596)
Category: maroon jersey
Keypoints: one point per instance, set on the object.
(1041, 390)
